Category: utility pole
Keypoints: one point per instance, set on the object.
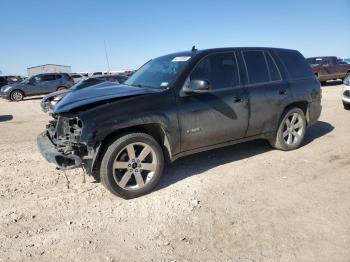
(109, 69)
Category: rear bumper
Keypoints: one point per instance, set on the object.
(50, 153)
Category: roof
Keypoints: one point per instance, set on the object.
(225, 49)
(47, 65)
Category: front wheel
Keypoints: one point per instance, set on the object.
(291, 130)
(17, 95)
(132, 165)
(346, 106)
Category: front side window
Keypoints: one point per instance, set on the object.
(256, 66)
(36, 78)
(220, 70)
(158, 73)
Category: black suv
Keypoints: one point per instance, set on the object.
(180, 104)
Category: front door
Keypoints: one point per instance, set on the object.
(221, 114)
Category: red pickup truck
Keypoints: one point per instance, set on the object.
(329, 67)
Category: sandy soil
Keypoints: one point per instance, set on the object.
(241, 203)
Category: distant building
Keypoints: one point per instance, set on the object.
(48, 68)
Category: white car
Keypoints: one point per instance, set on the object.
(346, 93)
(77, 77)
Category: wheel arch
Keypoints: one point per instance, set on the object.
(302, 104)
(155, 130)
(18, 89)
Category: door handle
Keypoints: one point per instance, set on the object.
(283, 92)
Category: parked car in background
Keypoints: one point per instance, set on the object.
(3, 81)
(181, 104)
(346, 60)
(77, 77)
(37, 85)
(346, 93)
(10, 79)
(96, 73)
(328, 68)
(49, 101)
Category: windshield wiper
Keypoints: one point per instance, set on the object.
(139, 85)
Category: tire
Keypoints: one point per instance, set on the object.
(346, 106)
(16, 95)
(131, 180)
(61, 88)
(295, 132)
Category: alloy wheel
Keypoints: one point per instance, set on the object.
(134, 166)
(17, 96)
(293, 129)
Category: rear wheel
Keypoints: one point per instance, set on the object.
(291, 130)
(16, 95)
(132, 165)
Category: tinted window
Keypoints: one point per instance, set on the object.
(121, 79)
(274, 72)
(219, 69)
(296, 64)
(327, 61)
(256, 66)
(58, 76)
(2, 80)
(48, 77)
(314, 61)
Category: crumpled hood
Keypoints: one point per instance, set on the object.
(97, 93)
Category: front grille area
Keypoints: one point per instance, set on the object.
(65, 133)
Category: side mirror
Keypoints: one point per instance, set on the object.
(197, 86)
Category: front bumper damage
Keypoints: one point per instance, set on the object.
(50, 153)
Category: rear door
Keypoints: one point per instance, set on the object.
(267, 90)
(50, 83)
(221, 114)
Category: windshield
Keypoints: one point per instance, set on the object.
(158, 73)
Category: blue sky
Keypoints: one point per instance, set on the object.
(72, 32)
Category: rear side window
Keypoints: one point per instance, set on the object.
(48, 77)
(219, 69)
(274, 72)
(296, 64)
(256, 66)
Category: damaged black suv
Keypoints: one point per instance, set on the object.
(180, 104)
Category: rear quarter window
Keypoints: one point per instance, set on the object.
(296, 64)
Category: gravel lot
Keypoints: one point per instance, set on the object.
(241, 203)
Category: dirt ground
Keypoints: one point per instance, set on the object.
(241, 203)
